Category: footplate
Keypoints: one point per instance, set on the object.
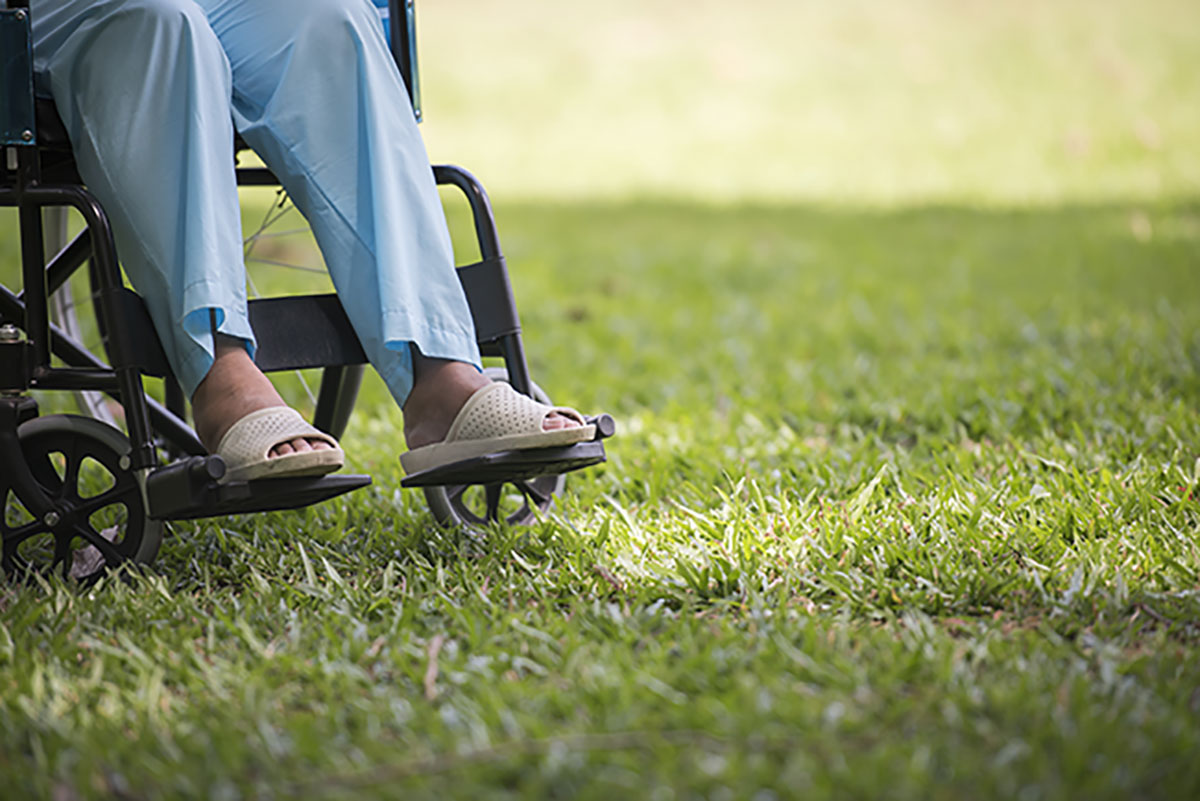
(495, 468)
(188, 490)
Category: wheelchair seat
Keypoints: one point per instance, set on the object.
(54, 144)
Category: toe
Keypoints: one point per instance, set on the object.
(555, 421)
(299, 445)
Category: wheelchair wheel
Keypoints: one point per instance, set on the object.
(515, 503)
(100, 519)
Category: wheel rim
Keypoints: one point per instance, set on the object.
(99, 519)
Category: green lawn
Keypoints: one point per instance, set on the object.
(904, 503)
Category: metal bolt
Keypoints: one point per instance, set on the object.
(124, 462)
(9, 333)
(27, 135)
(20, 14)
(51, 519)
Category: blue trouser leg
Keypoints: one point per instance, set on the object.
(147, 89)
(144, 89)
(316, 94)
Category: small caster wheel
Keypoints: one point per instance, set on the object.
(514, 502)
(99, 519)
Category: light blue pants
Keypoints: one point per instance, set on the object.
(150, 92)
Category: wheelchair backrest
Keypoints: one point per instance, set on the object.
(17, 120)
(399, 21)
(398, 18)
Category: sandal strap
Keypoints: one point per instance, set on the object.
(499, 410)
(252, 438)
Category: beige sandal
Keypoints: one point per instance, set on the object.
(497, 418)
(246, 447)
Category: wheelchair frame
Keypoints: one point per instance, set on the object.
(298, 332)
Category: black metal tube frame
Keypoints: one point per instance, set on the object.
(167, 422)
(510, 346)
(30, 196)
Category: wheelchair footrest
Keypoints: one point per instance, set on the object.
(496, 468)
(176, 500)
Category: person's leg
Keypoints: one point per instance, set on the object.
(315, 92)
(316, 95)
(143, 87)
(232, 388)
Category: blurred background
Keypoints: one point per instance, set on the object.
(857, 100)
(915, 175)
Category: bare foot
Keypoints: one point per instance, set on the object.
(233, 388)
(440, 388)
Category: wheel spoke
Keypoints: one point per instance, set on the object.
(278, 234)
(14, 537)
(529, 490)
(93, 404)
(89, 506)
(276, 263)
(43, 471)
(492, 494)
(275, 212)
(455, 492)
(101, 543)
(62, 554)
(71, 472)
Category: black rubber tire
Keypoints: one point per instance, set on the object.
(456, 506)
(136, 538)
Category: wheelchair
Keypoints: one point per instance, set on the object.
(74, 485)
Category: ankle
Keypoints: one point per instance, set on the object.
(232, 388)
(440, 389)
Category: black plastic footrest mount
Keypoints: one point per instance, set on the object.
(497, 468)
(211, 499)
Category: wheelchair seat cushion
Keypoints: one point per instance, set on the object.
(247, 446)
(497, 418)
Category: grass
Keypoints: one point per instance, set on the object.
(845, 545)
(904, 504)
